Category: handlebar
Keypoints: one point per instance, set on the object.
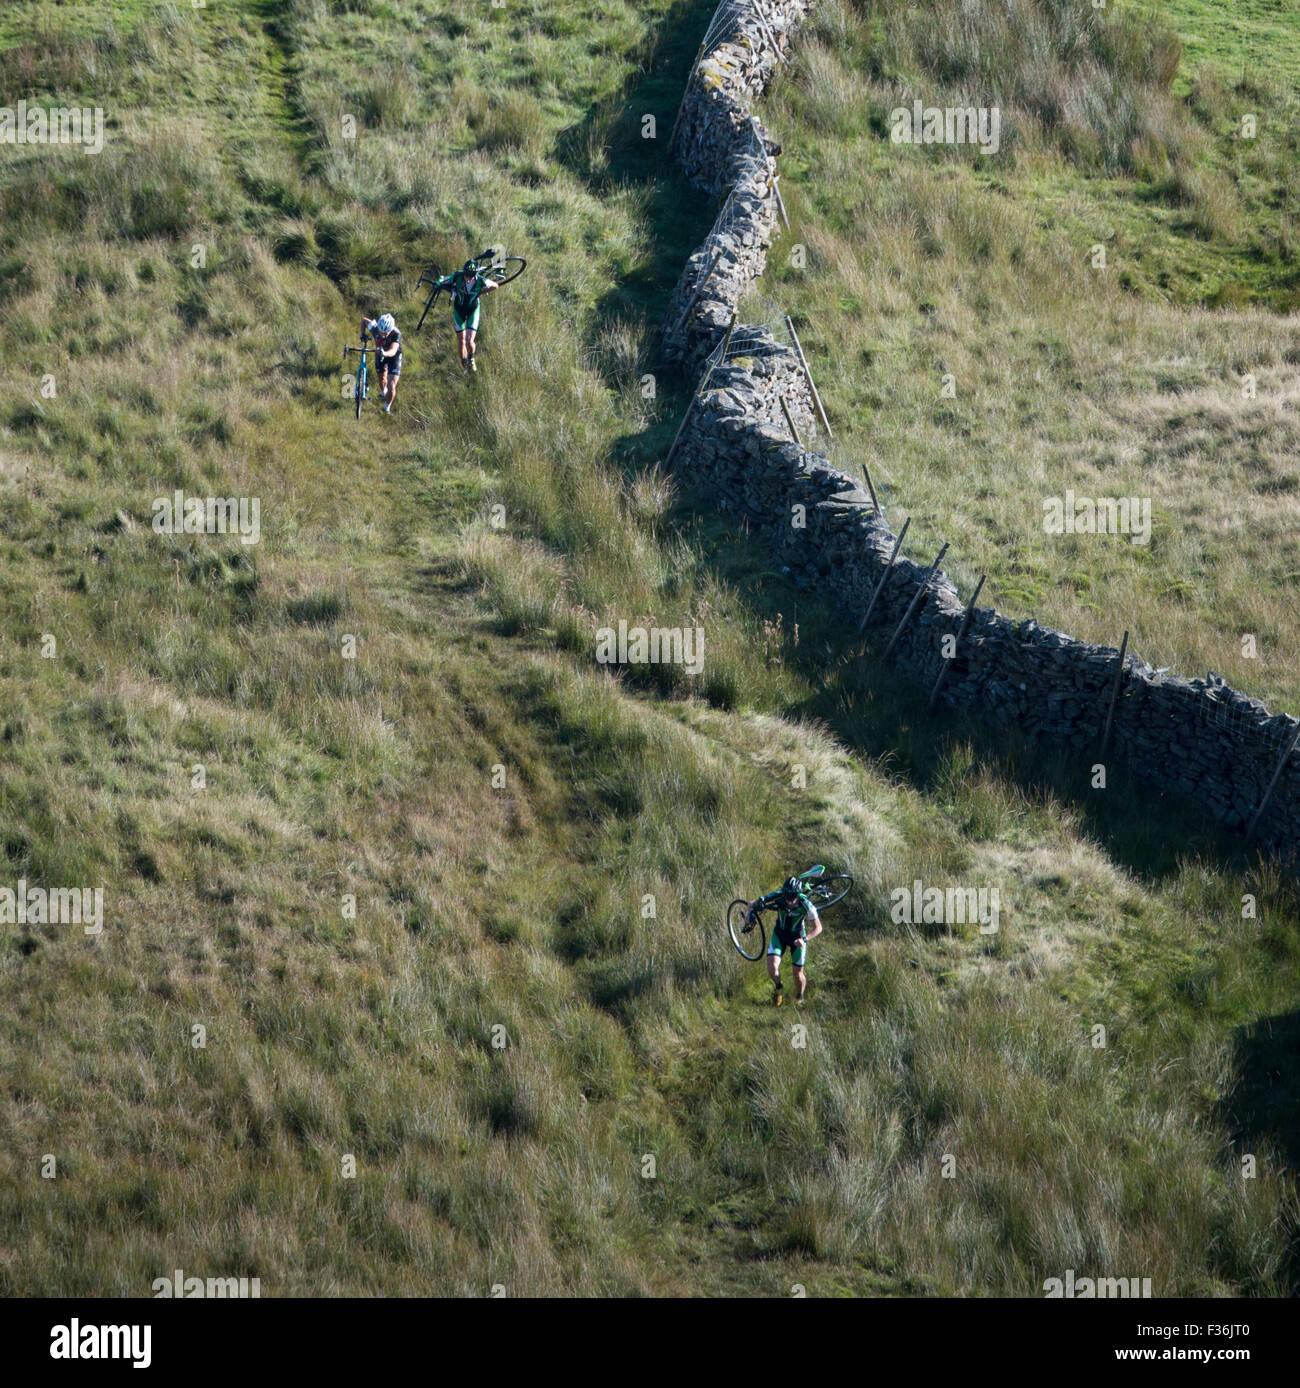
(431, 276)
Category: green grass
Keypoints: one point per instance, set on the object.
(929, 263)
(465, 827)
(1239, 39)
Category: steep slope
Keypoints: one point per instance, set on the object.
(518, 904)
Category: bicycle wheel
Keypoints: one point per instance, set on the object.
(509, 269)
(361, 385)
(429, 303)
(750, 940)
(830, 890)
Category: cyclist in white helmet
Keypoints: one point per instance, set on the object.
(388, 357)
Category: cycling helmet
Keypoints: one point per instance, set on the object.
(792, 886)
(386, 324)
(470, 269)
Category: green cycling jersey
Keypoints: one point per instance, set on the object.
(464, 296)
(789, 918)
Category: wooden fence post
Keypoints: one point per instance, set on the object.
(789, 419)
(767, 29)
(780, 204)
(961, 631)
(871, 606)
(1277, 771)
(695, 294)
(803, 362)
(1114, 695)
(699, 390)
(866, 472)
(912, 606)
(771, 34)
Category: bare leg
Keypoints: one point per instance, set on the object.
(774, 973)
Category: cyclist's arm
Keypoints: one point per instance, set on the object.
(816, 922)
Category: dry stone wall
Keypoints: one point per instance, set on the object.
(1198, 739)
(725, 151)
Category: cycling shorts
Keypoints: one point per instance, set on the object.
(778, 947)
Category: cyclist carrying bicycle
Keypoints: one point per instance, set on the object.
(794, 912)
(388, 354)
(467, 286)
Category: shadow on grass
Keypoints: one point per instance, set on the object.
(866, 706)
(609, 150)
(871, 710)
(1263, 1106)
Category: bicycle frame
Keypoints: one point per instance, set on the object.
(431, 277)
(433, 298)
(362, 392)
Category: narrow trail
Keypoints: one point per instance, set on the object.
(281, 76)
(255, 32)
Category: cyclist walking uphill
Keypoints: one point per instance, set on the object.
(794, 913)
(388, 355)
(467, 286)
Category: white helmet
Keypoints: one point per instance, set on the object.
(386, 324)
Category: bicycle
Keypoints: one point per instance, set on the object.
(749, 929)
(362, 388)
(501, 271)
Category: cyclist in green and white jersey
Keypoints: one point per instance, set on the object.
(388, 355)
(467, 286)
(794, 913)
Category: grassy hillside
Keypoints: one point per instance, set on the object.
(504, 812)
(933, 262)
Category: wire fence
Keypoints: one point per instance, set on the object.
(1228, 712)
(747, 340)
(1239, 717)
(723, 26)
(755, 337)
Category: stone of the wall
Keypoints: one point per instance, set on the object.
(725, 151)
(1198, 739)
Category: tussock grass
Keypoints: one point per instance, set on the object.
(531, 842)
(931, 267)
